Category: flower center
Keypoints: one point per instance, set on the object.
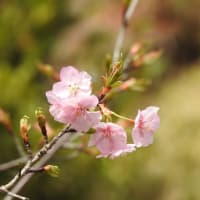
(107, 132)
(80, 111)
(141, 123)
(73, 88)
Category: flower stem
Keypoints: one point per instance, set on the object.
(121, 117)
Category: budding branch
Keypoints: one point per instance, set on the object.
(25, 170)
(39, 158)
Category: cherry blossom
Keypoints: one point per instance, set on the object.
(71, 100)
(146, 123)
(111, 140)
(72, 83)
(75, 111)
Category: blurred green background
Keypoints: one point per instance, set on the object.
(81, 33)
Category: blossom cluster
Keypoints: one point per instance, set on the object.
(71, 100)
(73, 103)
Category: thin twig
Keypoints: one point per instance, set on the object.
(38, 156)
(18, 146)
(121, 34)
(19, 185)
(127, 62)
(11, 194)
(13, 163)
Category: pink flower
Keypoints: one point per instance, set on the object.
(111, 140)
(146, 123)
(75, 111)
(71, 100)
(72, 83)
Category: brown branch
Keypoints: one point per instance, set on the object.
(40, 159)
(11, 194)
(120, 38)
(20, 184)
(13, 163)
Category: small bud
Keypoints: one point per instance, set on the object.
(42, 123)
(40, 116)
(24, 128)
(52, 170)
(49, 71)
(5, 120)
(135, 48)
(127, 84)
(152, 56)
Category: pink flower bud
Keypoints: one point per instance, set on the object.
(146, 123)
